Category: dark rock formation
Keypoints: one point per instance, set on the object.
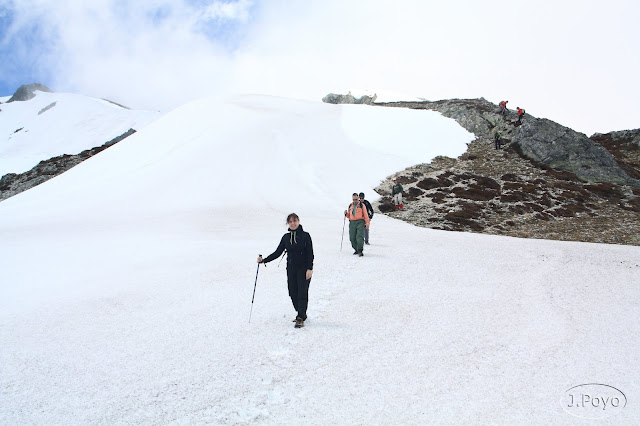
(26, 92)
(47, 108)
(12, 183)
(332, 98)
(565, 149)
(625, 147)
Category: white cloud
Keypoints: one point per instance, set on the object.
(570, 61)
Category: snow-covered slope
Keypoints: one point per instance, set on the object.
(127, 284)
(53, 124)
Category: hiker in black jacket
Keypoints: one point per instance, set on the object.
(299, 249)
(497, 140)
(367, 205)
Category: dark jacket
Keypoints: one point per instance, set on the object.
(299, 249)
(396, 189)
(367, 204)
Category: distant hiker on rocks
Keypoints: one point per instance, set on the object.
(520, 114)
(358, 223)
(496, 139)
(367, 205)
(396, 193)
(299, 249)
(503, 107)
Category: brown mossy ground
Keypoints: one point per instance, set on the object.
(499, 192)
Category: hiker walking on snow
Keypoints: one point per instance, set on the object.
(299, 249)
(358, 222)
(367, 205)
(503, 107)
(396, 194)
(520, 114)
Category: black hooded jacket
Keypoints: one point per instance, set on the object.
(299, 249)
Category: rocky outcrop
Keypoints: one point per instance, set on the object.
(625, 148)
(536, 139)
(478, 116)
(565, 149)
(547, 182)
(498, 192)
(12, 184)
(26, 92)
(47, 108)
(333, 98)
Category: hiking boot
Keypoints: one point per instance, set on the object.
(360, 254)
(367, 243)
(355, 252)
(299, 323)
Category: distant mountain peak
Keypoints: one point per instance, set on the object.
(26, 92)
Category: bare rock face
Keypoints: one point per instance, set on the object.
(26, 92)
(12, 184)
(565, 149)
(625, 147)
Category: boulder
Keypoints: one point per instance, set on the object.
(561, 148)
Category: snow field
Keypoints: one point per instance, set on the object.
(127, 286)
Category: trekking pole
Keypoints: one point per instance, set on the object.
(342, 240)
(254, 291)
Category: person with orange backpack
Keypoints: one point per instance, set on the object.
(358, 222)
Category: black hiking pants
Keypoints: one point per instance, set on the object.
(299, 290)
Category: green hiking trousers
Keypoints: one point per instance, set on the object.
(356, 234)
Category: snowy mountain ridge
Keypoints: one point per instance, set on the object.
(51, 124)
(127, 284)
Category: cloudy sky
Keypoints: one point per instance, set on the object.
(575, 62)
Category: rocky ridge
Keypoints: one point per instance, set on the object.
(12, 184)
(547, 181)
(333, 98)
